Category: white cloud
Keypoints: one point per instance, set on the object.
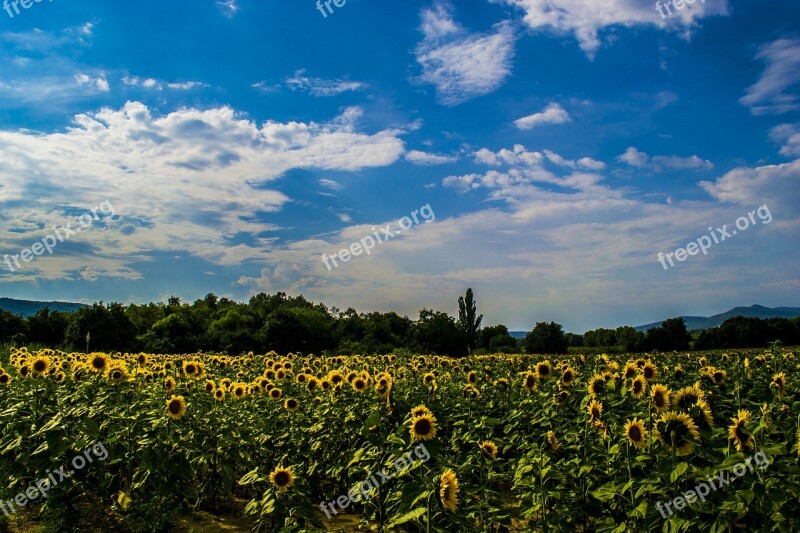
(321, 87)
(662, 163)
(769, 95)
(331, 184)
(424, 158)
(229, 7)
(586, 18)
(186, 182)
(789, 136)
(460, 65)
(99, 83)
(776, 185)
(552, 114)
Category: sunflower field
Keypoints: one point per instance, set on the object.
(512, 442)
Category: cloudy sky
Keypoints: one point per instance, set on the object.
(560, 144)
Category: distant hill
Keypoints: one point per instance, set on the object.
(25, 308)
(754, 311)
(518, 334)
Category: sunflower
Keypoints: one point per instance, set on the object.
(597, 385)
(568, 376)
(529, 381)
(97, 362)
(470, 391)
(552, 440)
(291, 405)
(219, 394)
(719, 376)
(116, 374)
(176, 407)
(420, 410)
(636, 433)
(472, 377)
(649, 371)
(359, 384)
(687, 397)
(448, 490)
(630, 370)
(738, 433)
(489, 450)
(659, 395)
(210, 386)
(423, 427)
(239, 390)
(595, 410)
(638, 387)
(276, 394)
(5, 379)
(544, 370)
(701, 414)
(678, 432)
(501, 384)
(41, 365)
(142, 359)
(282, 478)
(779, 382)
(169, 384)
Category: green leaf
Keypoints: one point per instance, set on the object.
(606, 492)
(409, 516)
(678, 472)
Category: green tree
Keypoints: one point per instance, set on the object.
(546, 338)
(437, 333)
(468, 319)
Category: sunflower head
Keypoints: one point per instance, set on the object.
(169, 384)
(660, 396)
(738, 432)
(638, 386)
(489, 450)
(219, 394)
(677, 432)
(568, 376)
(544, 370)
(420, 410)
(529, 381)
(649, 371)
(97, 362)
(779, 383)
(597, 385)
(282, 478)
(595, 410)
(176, 407)
(636, 433)
(291, 405)
(5, 379)
(423, 427)
(275, 394)
(448, 490)
(552, 440)
(40, 365)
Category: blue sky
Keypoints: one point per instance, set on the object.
(561, 145)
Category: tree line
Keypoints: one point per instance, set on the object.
(266, 322)
(736, 332)
(293, 324)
